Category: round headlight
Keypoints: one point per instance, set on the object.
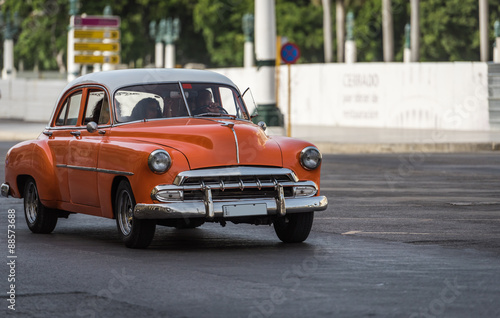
(159, 161)
(310, 158)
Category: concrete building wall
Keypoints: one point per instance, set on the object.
(449, 96)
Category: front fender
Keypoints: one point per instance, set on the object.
(291, 148)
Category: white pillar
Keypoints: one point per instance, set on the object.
(169, 55)
(407, 55)
(73, 68)
(248, 60)
(350, 51)
(8, 71)
(496, 55)
(159, 54)
(265, 50)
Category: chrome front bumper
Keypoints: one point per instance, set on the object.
(214, 209)
(4, 189)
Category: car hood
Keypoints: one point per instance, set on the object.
(207, 142)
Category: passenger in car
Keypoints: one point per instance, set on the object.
(100, 114)
(204, 104)
(147, 108)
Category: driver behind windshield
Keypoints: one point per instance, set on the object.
(204, 104)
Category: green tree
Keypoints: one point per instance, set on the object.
(42, 39)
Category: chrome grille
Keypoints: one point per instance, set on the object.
(240, 187)
(236, 182)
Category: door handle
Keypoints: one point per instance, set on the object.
(76, 133)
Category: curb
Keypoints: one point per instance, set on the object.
(355, 148)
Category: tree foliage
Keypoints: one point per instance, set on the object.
(211, 30)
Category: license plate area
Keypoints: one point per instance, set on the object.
(244, 209)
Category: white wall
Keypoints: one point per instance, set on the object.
(451, 96)
(29, 99)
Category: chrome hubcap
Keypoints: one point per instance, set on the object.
(125, 213)
(31, 205)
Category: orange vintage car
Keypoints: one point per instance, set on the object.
(168, 147)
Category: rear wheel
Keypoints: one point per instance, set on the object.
(294, 228)
(135, 233)
(39, 218)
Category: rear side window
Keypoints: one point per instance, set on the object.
(97, 108)
(69, 112)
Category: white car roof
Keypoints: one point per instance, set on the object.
(114, 80)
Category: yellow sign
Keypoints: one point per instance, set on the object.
(97, 34)
(97, 59)
(113, 47)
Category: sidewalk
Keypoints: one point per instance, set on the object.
(339, 139)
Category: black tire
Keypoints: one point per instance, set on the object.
(40, 219)
(135, 233)
(294, 228)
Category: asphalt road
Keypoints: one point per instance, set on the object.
(405, 235)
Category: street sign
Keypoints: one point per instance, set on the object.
(290, 53)
(97, 34)
(97, 21)
(89, 46)
(97, 59)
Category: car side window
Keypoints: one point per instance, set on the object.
(69, 112)
(97, 109)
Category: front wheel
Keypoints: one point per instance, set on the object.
(39, 218)
(135, 233)
(294, 228)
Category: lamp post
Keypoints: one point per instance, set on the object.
(350, 44)
(10, 28)
(248, 31)
(171, 33)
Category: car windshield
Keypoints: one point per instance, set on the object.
(152, 101)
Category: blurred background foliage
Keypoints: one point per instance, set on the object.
(211, 30)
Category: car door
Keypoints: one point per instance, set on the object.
(60, 134)
(84, 149)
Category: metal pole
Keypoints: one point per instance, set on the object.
(340, 19)
(483, 30)
(289, 120)
(415, 30)
(387, 31)
(327, 30)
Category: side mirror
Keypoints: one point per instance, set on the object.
(92, 128)
(262, 125)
